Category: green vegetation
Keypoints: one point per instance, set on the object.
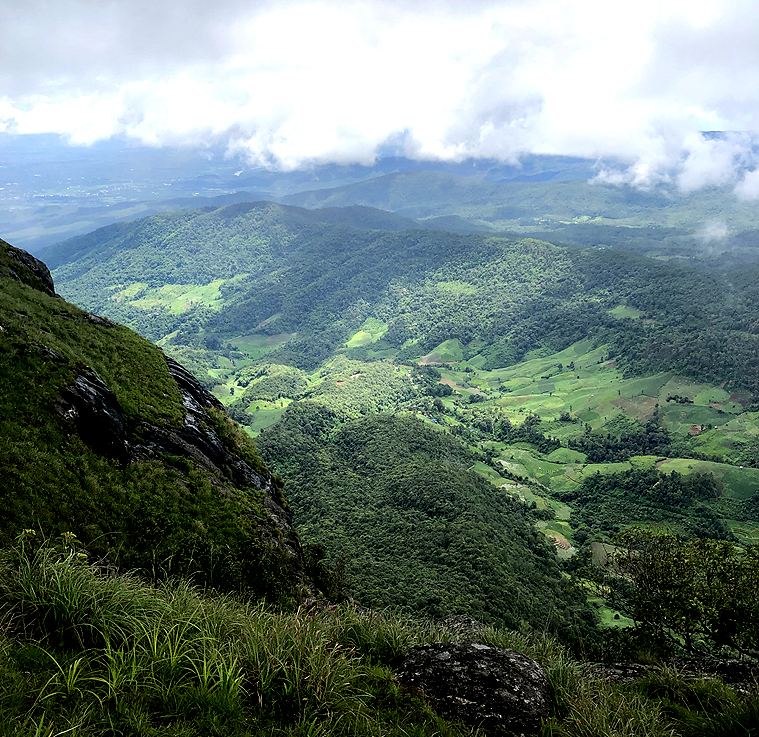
(31, 317)
(89, 654)
(607, 502)
(447, 410)
(165, 514)
(417, 529)
(553, 364)
(371, 331)
(272, 381)
(622, 312)
(277, 280)
(449, 351)
(697, 594)
(106, 656)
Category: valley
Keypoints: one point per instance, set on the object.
(554, 366)
(461, 423)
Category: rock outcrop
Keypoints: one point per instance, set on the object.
(29, 270)
(93, 409)
(96, 413)
(479, 685)
(462, 626)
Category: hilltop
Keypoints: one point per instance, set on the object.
(708, 224)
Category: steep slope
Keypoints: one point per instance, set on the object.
(102, 436)
(418, 529)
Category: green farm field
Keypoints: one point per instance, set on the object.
(176, 298)
(573, 392)
(580, 390)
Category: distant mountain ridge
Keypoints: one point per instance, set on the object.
(52, 190)
(660, 221)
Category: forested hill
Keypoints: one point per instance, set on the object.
(239, 227)
(708, 225)
(417, 528)
(301, 287)
(429, 194)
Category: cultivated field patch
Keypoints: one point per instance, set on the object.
(449, 351)
(622, 312)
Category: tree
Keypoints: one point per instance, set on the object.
(698, 593)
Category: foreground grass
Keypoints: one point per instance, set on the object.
(83, 653)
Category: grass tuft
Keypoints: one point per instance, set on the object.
(87, 654)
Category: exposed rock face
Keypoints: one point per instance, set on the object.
(103, 322)
(620, 672)
(95, 411)
(195, 438)
(30, 267)
(479, 685)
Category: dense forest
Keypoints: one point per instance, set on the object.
(315, 279)
(417, 529)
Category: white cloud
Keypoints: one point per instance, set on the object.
(294, 82)
(713, 162)
(748, 187)
(712, 231)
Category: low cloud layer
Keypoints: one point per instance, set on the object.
(287, 84)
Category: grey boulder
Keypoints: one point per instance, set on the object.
(479, 685)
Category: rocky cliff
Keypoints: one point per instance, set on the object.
(102, 435)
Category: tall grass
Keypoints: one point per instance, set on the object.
(102, 655)
(82, 653)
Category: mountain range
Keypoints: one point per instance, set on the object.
(461, 420)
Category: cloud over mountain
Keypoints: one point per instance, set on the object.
(295, 82)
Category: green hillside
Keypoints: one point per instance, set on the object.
(253, 279)
(551, 364)
(444, 407)
(417, 527)
(102, 438)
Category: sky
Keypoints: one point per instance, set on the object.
(289, 84)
